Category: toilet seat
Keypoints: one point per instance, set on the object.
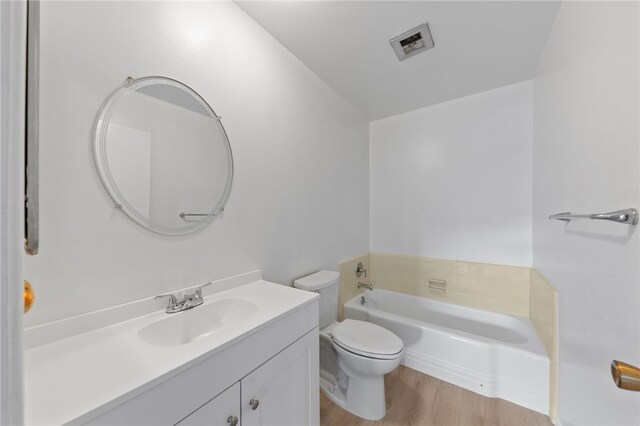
(367, 339)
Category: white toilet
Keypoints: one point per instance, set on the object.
(354, 355)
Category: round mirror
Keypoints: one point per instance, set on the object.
(163, 155)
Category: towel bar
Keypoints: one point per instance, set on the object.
(628, 216)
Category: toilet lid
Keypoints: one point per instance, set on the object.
(367, 339)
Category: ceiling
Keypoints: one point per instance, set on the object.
(479, 45)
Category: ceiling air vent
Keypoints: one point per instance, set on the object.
(412, 42)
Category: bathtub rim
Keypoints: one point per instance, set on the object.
(532, 346)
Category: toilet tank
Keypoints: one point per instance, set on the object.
(326, 284)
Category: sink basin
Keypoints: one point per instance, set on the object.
(184, 327)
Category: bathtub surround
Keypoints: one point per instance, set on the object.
(543, 313)
(299, 149)
(349, 281)
(497, 288)
(587, 159)
(453, 180)
(507, 289)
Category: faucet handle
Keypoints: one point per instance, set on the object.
(198, 292)
(173, 305)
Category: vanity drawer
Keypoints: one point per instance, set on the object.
(223, 410)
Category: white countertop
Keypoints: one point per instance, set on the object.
(68, 378)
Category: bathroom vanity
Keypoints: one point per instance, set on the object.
(247, 356)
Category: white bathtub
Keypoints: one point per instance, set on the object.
(493, 354)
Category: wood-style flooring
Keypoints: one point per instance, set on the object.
(414, 398)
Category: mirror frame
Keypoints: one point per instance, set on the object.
(102, 165)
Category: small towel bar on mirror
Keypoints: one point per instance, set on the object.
(628, 216)
(183, 214)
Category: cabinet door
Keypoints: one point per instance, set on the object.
(285, 389)
(223, 410)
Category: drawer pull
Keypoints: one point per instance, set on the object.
(254, 403)
(232, 420)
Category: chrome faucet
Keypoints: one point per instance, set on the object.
(369, 286)
(188, 301)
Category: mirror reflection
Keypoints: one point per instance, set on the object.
(163, 155)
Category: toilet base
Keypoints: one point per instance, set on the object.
(364, 397)
(333, 392)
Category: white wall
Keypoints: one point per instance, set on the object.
(453, 180)
(586, 159)
(299, 200)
